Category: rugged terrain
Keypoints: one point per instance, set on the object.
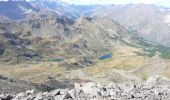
(140, 19)
(60, 43)
(154, 88)
(50, 46)
(148, 21)
(64, 48)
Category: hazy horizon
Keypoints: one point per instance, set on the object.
(164, 3)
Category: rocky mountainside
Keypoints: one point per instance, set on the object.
(63, 8)
(64, 48)
(22, 10)
(16, 10)
(56, 6)
(142, 20)
(33, 39)
(148, 21)
(155, 88)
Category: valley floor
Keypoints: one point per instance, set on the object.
(125, 65)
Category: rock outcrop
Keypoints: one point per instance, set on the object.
(156, 88)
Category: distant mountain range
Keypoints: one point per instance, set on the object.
(147, 21)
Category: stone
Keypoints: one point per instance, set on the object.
(151, 90)
(29, 92)
(55, 92)
(39, 96)
(72, 93)
(7, 97)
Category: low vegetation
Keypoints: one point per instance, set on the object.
(154, 49)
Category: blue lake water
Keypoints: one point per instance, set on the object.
(105, 57)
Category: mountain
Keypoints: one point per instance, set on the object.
(65, 9)
(60, 47)
(66, 45)
(148, 21)
(77, 35)
(22, 10)
(16, 9)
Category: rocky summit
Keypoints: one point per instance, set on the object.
(155, 88)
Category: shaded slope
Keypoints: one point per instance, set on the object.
(16, 10)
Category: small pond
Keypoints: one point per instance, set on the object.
(56, 59)
(107, 56)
